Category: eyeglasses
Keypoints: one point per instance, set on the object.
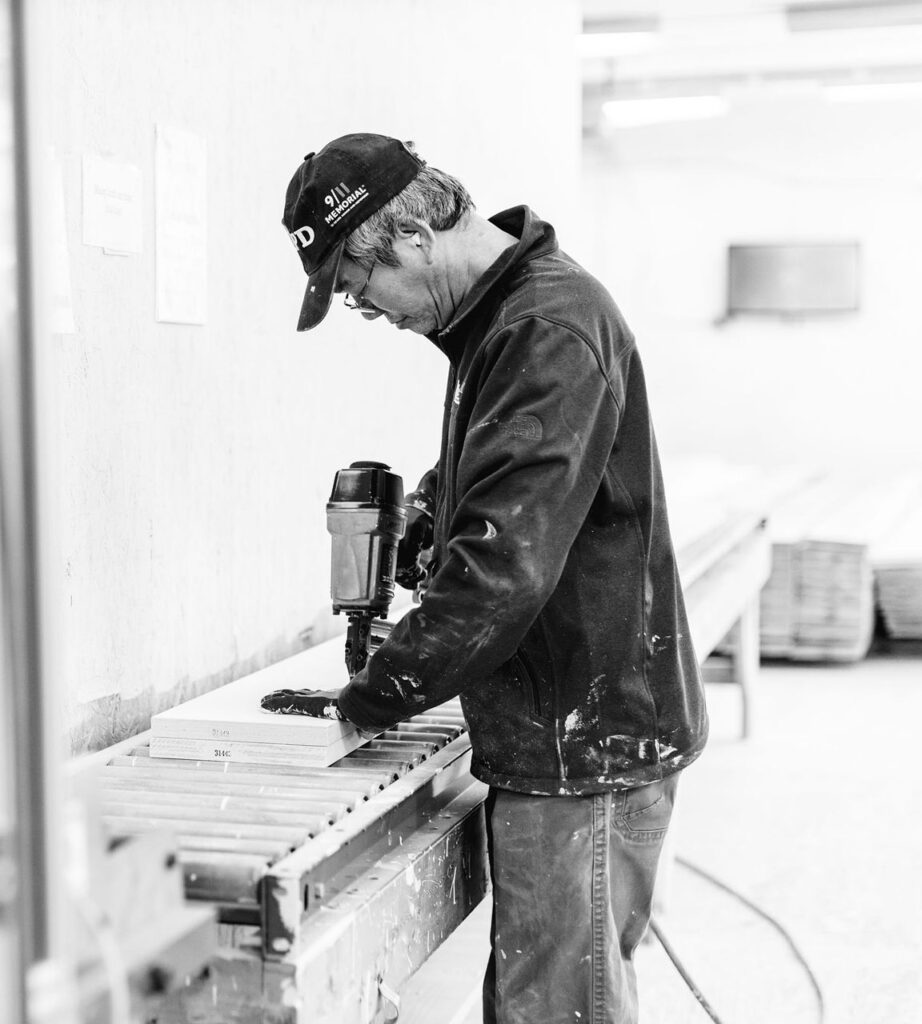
(358, 302)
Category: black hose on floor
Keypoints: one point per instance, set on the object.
(680, 967)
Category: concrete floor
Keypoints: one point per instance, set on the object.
(817, 818)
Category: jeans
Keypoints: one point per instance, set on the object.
(572, 896)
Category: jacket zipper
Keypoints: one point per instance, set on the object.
(450, 448)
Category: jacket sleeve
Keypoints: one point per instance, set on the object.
(537, 444)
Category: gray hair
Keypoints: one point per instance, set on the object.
(433, 197)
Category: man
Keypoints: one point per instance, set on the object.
(553, 605)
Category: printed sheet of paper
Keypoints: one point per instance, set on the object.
(181, 226)
(111, 205)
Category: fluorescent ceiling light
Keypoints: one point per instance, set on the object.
(607, 23)
(864, 91)
(661, 110)
(616, 44)
(852, 14)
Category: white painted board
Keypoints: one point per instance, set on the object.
(232, 712)
(305, 755)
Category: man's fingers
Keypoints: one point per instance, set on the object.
(314, 703)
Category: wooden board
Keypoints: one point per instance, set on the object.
(255, 752)
(228, 724)
(232, 712)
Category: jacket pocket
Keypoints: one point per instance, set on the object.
(528, 685)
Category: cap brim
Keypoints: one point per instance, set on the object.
(318, 296)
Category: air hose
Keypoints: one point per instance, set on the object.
(686, 977)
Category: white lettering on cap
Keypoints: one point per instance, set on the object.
(301, 237)
(337, 193)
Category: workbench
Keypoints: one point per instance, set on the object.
(333, 886)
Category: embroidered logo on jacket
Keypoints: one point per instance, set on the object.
(526, 426)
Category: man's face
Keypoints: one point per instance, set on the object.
(408, 295)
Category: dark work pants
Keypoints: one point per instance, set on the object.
(572, 896)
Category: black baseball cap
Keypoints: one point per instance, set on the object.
(330, 195)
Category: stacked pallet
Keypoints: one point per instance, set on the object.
(842, 546)
(896, 559)
(818, 604)
(818, 601)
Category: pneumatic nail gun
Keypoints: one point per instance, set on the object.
(366, 520)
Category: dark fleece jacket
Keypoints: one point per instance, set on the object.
(554, 606)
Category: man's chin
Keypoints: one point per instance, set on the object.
(410, 324)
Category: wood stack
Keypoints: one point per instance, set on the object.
(841, 546)
(227, 724)
(896, 559)
(818, 604)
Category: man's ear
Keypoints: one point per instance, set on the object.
(417, 234)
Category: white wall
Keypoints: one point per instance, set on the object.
(667, 200)
(193, 462)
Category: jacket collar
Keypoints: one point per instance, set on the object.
(535, 238)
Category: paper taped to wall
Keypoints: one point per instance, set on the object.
(111, 204)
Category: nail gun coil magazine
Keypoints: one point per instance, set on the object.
(366, 521)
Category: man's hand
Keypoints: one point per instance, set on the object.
(417, 539)
(313, 703)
